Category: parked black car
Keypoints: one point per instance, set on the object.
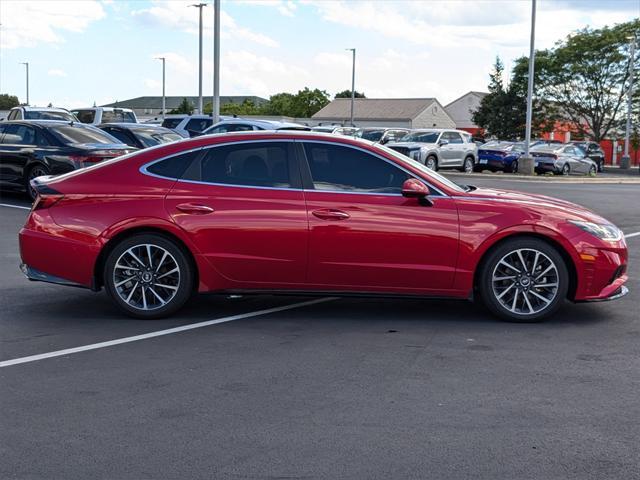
(140, 135)
(593, 150)
(29, 149)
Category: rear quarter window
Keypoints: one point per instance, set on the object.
(173, 167)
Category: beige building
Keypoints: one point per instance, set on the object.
(461, 110)
(386, 112)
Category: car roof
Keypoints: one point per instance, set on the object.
(135, 126)
(106, 109)
(42, 109)
(48, 123)
(267, 124)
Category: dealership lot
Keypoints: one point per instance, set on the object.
(339, 388)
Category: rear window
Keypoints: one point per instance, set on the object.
(171, 122)
(47, 115)
(373, 135)
(85, 116)
(198, 124)
(76, 134)
(118, 116)
(152, 137)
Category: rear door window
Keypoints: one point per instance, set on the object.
(85, 116)
(198, 124)
(255, 164)
(347, 169)
(171, 122)
(20, 135)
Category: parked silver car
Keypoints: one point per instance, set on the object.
(439, 148)
(381, 135)
(562, 160)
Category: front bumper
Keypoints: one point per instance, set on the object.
(617, 293)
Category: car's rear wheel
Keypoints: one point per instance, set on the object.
(523, 280)
(148, 276)
(38, 170)
(468, 165)
(593, 170)
(566, 169)
(431, 162)
(514, 166)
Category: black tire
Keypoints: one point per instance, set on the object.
(468, 165)
(566, 169)
(34, 171)
(175, 289)
(431, 159)
(527, 308)
(601, 166)
(514, 167)
(593, 171)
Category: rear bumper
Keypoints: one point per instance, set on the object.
(38, 276)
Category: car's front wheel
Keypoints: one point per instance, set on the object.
(468, 165)
(523, 280)
(148, 276)
(514, 166)
(431, 162)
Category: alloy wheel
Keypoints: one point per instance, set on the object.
(525, 281)
(565, 169)
(431, 163)
(468, 165)
(35, 172)
(146, 277)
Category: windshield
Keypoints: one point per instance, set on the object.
(427, 171)
(75, 134)
(371, 135)
(152, 137)
(422, 137)
(48, 115)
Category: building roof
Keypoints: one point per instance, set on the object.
(155, 102)
(375, 108)
(477, 94)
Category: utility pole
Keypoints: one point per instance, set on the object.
(200, 6)
(26, 64)
(216, 62)
(526, 164)
(625, 161)
(164, 103)
(353, 81)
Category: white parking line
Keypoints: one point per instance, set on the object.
(159, 333)
(629, 235)
(14, 206)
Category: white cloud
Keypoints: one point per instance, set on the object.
(285, 7)
(181, 15)
(29, 23)
(56, 72)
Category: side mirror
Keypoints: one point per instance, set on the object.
(413, 188)
(442, 143)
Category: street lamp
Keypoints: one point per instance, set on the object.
(164, 104)
(199, 6)
(525, 164)
(215, 106)
(26, 64)
(625, 161)
(353, 81)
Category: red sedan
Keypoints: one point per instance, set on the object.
(304, 213)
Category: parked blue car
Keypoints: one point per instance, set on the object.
(499, 155)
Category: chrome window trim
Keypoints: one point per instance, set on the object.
(144, 168)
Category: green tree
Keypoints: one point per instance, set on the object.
(495, 113)
(585, 77)
(278, 104)
(184, 107)
(307, 102)
(347, 94)
(7, 102)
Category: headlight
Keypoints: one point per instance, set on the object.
(607, 232)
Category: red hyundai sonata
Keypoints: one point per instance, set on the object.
(303, 213)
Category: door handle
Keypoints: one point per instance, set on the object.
(194, 209)
(330, 214)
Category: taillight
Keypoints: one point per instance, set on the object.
(97, 156)
(46, 201)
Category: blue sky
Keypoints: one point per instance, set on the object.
(82, 51)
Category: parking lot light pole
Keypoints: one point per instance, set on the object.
(625, 161)
(199, 6)
(353, 81)
(216, 62)
(26, 64)
(526, 163)
(164, 104)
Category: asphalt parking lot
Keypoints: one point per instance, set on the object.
(341, 388)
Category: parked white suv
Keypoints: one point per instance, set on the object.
(99, 115)
(41, 113)
(439, 148)
(188, 125)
